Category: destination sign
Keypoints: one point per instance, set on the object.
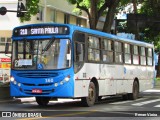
(42, 30)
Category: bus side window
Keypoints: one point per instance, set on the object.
(135, 55)
(107, 50)
(149, 56)
(93, 49)
(118, 52)
(79, 52)
(79, 42)
(127, 53)
(142, 56)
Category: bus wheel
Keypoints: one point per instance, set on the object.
(42, 101)
(125, 97)
(135, 91)
(90, 100)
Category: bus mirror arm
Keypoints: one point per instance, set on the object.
(6, 48)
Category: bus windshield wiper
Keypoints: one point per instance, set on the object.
(48, 45)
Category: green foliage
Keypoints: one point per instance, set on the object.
(158, 79)
(152, 35)
(102, 8)
(87, 4)
(153, 39)
(84, 3)
(32, 9)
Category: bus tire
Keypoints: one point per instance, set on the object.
(99, 98)
(125, 97)
(91, 98)
(135, 91)
(42, 101)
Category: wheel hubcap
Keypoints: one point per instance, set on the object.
(91, 93)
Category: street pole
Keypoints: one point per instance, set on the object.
(3, 11)
(21, 9)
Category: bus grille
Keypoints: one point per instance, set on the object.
(27, 84)
(37, 74)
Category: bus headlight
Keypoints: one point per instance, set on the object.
(15, 82)
(67, 78)
(55, 84)
(61, 83)
(12, 79)
(19, 84)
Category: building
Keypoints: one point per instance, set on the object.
(7, 23)
(52, 11)
(49, 11)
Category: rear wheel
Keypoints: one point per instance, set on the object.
(90, 100)
(42, 101)
(135, 91)
(99, 98)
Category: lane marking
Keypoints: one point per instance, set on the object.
(128, 101)
(122, 102)
(59, 115)
(157, 106)
(152, 90)
(146, 102)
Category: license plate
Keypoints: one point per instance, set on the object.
(36, 91)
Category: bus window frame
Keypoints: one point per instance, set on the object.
(80, 63)
(106, 50)
(101, 38)
(98, 49)
(133, 54)
(152, 55)
(122, 52)
(144, 56)
(125, 53)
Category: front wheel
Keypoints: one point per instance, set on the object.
(42, 101)
(91, 98)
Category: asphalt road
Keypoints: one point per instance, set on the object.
(146, 107)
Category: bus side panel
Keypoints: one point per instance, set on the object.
(81, 83)
(113, 79)
(110, 87)
(81, 88)
(145, 76)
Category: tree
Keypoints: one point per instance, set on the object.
(112, 5)
(152, 34)
(32, 9)
(91, 8)
(97, 8)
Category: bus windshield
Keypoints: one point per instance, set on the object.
(41, 54)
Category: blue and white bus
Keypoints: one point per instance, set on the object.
(66, 61)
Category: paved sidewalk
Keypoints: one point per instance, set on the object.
(157, 85)
(10, 100)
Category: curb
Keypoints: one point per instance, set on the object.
(10, 100)
(157, 87)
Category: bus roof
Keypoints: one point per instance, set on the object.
(95, 32)
(111, 36)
